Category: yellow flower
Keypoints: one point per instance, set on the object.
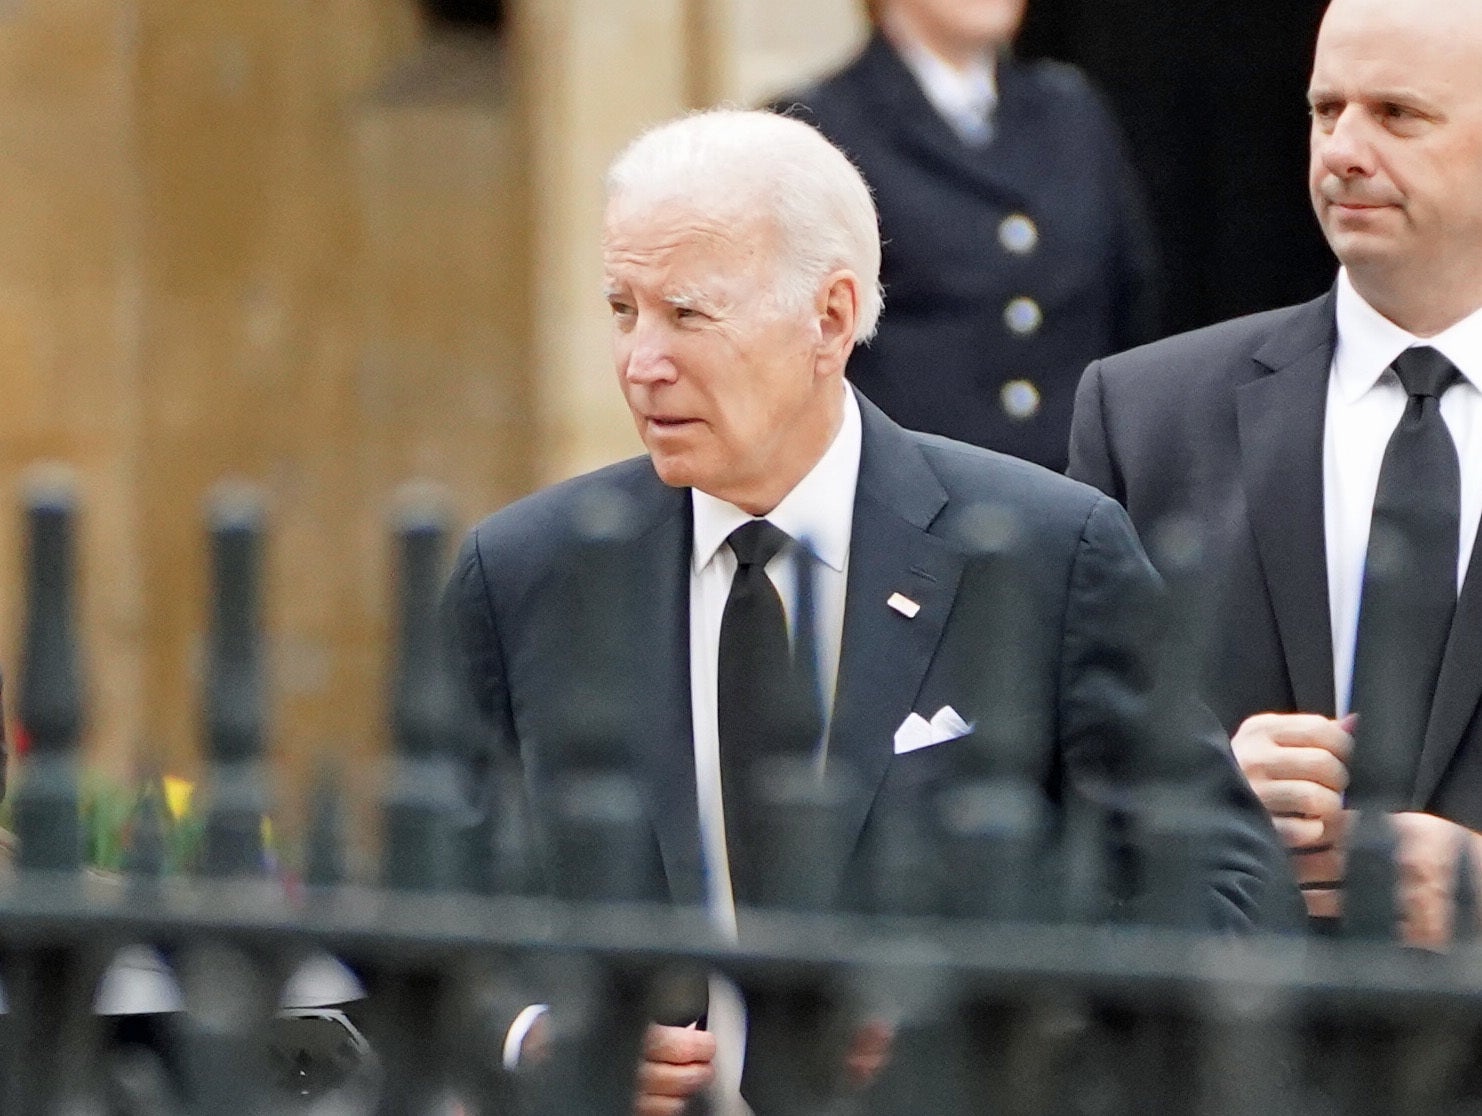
(178, 793)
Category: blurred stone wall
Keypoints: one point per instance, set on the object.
(329, 248)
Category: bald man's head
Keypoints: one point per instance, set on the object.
(1396, 99)
(1408, 12)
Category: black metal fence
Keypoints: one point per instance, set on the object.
(1003, 1009)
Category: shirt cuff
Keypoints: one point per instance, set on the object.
(514, 1038)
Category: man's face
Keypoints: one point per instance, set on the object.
(1396, 146)
(955, 27)
(724, 386)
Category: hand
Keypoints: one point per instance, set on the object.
(1321, 869)
(1297, 763)
(677, 1064)
(868, 1052)
(535, 1047)
(1426, 855)
(1426, 849)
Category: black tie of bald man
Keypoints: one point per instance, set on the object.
(1409, 585)
(752, 691)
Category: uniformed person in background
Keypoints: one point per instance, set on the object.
(1017, 247)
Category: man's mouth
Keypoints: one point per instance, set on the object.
(1355, 205)
(670, 422)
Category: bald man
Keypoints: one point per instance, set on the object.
(1306, 441)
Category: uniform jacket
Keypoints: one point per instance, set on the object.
(1006, 267)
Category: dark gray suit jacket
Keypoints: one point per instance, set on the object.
(1224, 427)
(959, 530)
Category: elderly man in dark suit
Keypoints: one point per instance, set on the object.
(1332, 455)
(741, 256)
(1017, 246)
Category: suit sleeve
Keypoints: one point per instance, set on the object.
(1090, 451)
(477, 655)
(500, 836)
(1131, 731)
(499, 832)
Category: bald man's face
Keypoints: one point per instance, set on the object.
(1396, 146)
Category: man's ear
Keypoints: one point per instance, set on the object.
(838, 312)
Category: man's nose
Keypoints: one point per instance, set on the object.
(1345, 148)
(648, 355)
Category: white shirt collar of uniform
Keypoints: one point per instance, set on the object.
(820, 508)
(959, 95)
(1368, 343)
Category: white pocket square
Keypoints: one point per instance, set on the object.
(917, 732)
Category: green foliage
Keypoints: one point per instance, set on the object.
(148, 826)
(122, 823)
(107, 807)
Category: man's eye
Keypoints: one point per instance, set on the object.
(1326, 110)
(621, 309)
(1405, 120)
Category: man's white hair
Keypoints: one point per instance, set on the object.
(729, 163)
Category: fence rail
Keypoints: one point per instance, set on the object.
(1002, 1014)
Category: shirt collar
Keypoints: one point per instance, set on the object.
(958, 95)
(1368, 343)
(820, 508)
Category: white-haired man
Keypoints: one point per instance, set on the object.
(741, 259)
(1332, 453)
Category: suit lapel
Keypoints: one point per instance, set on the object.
(1281, 470)
(1016, 154)
(658, 649)
(1459, 687)
(1001, 166)
(884, 654)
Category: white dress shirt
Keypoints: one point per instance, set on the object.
(965, 99)
(819, 511)
(1365, 403)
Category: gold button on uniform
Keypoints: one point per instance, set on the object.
(1018, 234)
(1023, 316)
(1020, 399)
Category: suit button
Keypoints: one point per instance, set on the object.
(1020, 399)
(1023, 316)
(1018, 234)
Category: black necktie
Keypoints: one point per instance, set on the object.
(1409, 586)
(752, 682)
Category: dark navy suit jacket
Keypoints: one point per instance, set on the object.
(945, 350)
(1020, 574)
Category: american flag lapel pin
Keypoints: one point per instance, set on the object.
(904, 605)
